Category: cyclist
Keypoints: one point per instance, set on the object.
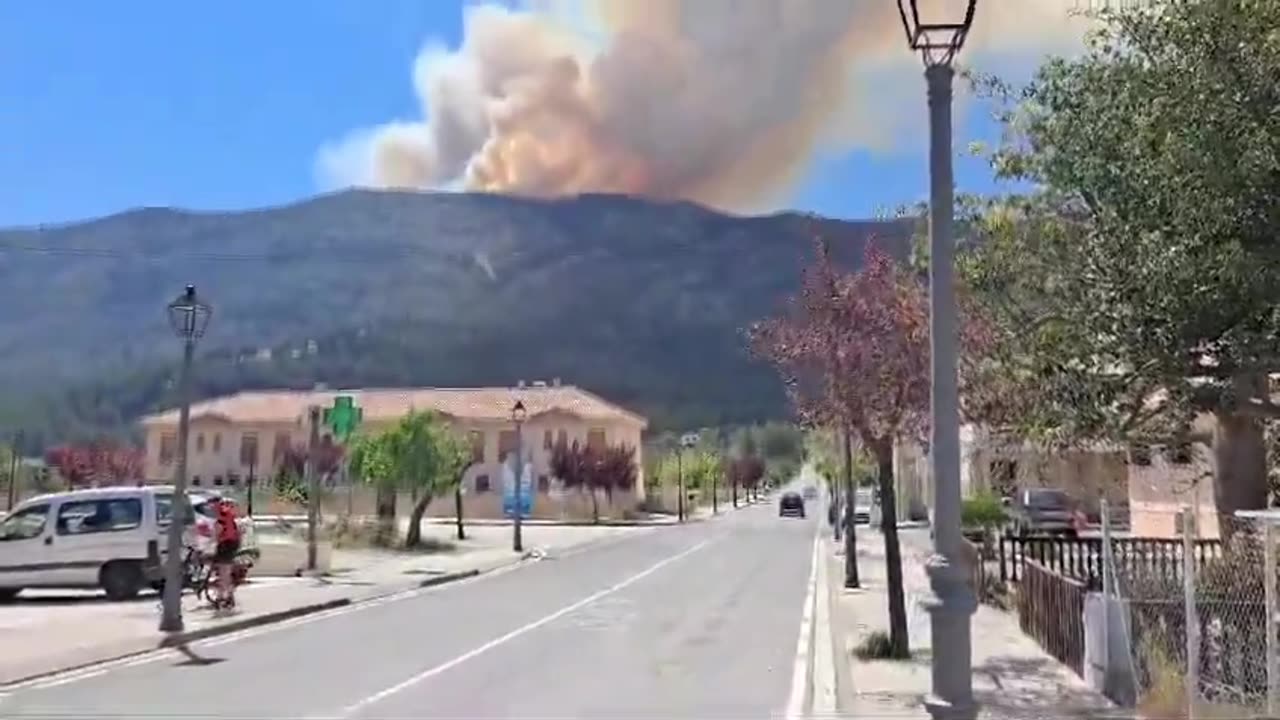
(227, 534)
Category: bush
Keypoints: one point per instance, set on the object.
(876, 646)
(984, 511)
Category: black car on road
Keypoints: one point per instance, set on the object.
(791, 505)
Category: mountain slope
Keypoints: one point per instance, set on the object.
(641, 301)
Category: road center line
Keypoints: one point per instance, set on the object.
(523, 629)
(804, 645)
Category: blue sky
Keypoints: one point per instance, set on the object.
(113, 105)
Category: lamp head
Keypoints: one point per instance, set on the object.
(937, 28)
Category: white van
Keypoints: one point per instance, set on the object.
(110, 538)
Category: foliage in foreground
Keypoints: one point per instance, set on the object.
(1138, 286)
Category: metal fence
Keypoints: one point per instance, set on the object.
(1051, 610)
(1082, 558)
(1201, 626)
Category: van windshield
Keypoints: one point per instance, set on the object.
(164, 506)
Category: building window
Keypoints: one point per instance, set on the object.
(280, 447)
(506, 444)
(1180, 454)
(1140, 455)
(217, 442)
(595, 439)
(168, 448)
(562, 437)
(1004, 476)
(482, 484)
(544, 484)
(548, 439)
(217, 480)
(477, 446)
(200, 443)
(233, 479)
(249, 449)
(195, 480)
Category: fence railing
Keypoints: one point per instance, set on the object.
(1051, 610)
(974, 557)
(1081, 558)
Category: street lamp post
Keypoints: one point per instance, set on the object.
(687, 440)
(14, 456)
(518, 414)
(938, 37)
(680, 483)
(189, 316)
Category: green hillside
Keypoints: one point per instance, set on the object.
(640, 301)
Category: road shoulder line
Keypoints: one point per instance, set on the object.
(800, 674)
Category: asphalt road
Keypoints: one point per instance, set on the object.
(698, 621)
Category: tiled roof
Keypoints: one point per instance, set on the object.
(489, 403)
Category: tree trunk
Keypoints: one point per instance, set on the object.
(413, 538)
(457, 509)
(898, 640)
(734, 492)
(1240, 452)
(595, 507)
(850, 519)
(386, 513)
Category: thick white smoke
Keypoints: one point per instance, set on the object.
(719, 101)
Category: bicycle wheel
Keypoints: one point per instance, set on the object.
(196, 574)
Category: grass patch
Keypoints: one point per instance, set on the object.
(877, 646)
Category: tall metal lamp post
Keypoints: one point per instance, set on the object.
(189, 316)
(938, 34)
(518, 414)
(687, 441)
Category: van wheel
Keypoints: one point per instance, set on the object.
(8, 595)
(122, 580)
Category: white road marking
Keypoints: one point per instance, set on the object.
(82, 676)
(824, 649)
(804, 645)
(523, 629)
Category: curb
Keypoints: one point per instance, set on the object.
(180, 639)
(184, 638)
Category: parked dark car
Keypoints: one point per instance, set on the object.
(1043, 511)
(791, 505)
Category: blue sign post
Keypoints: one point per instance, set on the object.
(509, 491)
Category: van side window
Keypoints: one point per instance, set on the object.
(25, 524)
(93, 516)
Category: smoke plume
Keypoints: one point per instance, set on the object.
(724, 102)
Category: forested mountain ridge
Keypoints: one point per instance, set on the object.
(643, 302)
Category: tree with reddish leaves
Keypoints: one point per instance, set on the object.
(293, 467)
(99, 463)
(853, 351)
(570, 464)
(613, 469)
(592, 470)
(746, 473)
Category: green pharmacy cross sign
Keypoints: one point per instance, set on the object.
(344, 417)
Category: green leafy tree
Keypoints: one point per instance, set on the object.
(421, 454)
(1138, 287)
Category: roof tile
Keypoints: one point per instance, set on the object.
(485, 403)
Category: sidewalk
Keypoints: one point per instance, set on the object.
(48, 632)
(1012, 676)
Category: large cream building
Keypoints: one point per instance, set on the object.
(235, 437)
